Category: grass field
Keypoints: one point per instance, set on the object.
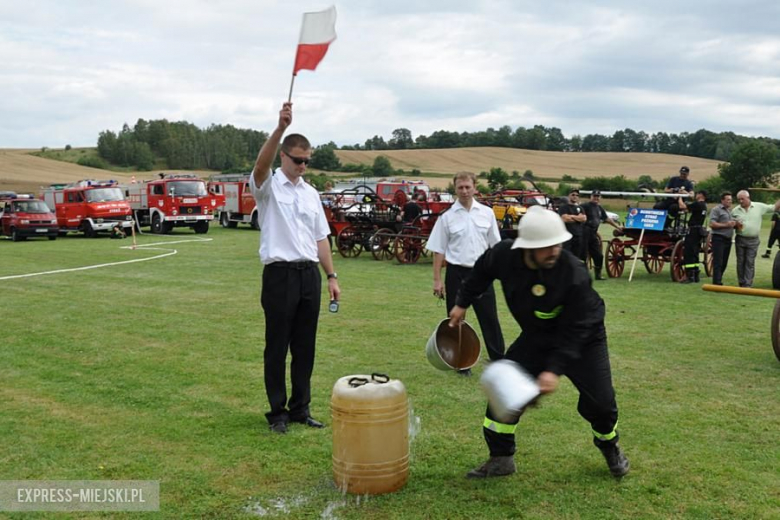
(153, 371)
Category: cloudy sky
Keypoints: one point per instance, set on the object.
(71, 69)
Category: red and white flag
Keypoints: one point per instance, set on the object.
(318, 30)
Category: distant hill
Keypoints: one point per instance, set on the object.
(23, 172)
(544, 164)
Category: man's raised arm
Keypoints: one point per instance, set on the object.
(268, 152)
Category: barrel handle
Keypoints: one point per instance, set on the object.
(380, 378)
(355, 382)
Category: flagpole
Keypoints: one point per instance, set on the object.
(289, 96)
(300, 37)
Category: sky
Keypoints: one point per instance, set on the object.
(72, 69)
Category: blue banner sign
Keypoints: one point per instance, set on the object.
(649, 219)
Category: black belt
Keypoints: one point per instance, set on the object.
(304, 264)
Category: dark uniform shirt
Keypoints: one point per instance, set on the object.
(679, 182)
(575, 228)
(595, 213)
(411, 210)
(556, 307)
(698, 212)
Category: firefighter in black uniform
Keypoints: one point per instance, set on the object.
(574, 218)
(595, 214)
(549, 294)
(697, 211)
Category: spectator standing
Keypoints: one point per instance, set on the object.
(459, 237)
(722, 225)
(749, 215)
(697, 211)
(595, 215)
(774, 234)
(574, 217)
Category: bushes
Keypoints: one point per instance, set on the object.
(92, 161)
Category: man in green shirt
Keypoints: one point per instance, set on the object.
(748, 216)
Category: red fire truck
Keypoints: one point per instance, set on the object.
(23, 216)
(173, 200)
(239, 205)
(89, 206)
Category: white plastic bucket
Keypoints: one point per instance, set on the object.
(509, 389)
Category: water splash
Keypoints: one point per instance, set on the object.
(275, 506)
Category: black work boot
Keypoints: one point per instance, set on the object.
(767, 254)
(616, 459)
(599, 276)
(688, 276)
(696, 274)
(494, 467)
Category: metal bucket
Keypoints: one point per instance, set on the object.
(453, 348)
(509, 389)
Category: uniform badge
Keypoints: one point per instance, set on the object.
(538, 290)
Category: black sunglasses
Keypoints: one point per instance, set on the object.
(298, 160)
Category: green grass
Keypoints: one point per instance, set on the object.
(153, 371)
(75, 154)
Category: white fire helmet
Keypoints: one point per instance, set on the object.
(540, 228)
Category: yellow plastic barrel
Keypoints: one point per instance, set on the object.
(370, 434)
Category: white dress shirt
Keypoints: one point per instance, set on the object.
(462, 235)
(291, 219)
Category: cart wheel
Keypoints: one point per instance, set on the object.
(408, 246)
(776, 330)
(381, 244)
(676, 268)
(654, 263)
(776, 272)
(615, 260)
(348, 242)
(707, 250)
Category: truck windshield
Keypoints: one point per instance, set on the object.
(31, 206)
(187, 188)
(105, 195)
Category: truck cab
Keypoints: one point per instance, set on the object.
(89, 206)
(173, 200)
(21, 218)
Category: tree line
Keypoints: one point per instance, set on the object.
(181, 146)
(702, 143)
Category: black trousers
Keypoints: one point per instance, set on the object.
(575, 246)
(593, 247)
(484, 308)
(721, 249)
(692, 247)
(291, 301)
(774, 236)
(591, 375)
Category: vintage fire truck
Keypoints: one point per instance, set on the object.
(89, 206)
(23, 216)
(239, 206)
(173, 200)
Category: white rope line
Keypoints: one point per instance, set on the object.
(146, 247)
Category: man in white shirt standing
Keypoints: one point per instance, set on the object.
(294, 238)
(460, 236)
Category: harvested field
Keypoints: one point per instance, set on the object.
(544, 164)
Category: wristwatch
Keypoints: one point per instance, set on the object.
(333, 275)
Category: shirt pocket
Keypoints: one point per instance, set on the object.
(483, 222)
(307, 211)
(458, 227)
